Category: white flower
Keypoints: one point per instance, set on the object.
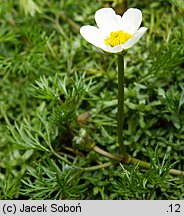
(114, 33)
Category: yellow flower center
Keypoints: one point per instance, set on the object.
(117, 38)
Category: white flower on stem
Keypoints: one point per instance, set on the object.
(114, 33)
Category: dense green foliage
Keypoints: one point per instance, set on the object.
(58, 96)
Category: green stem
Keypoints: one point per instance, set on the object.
(127, 160)
(147, 165)
(120, 115)
(105, 153)
(59, 156)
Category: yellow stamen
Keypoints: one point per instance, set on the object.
(117, 38)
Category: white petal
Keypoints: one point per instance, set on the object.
(135, 38)
(92, 35)
(131, 20)
(107, 20)
(115, 49)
